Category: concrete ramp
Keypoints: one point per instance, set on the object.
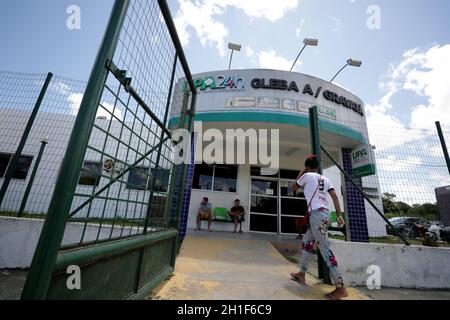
(212, 268)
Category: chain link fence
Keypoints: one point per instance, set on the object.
(52, 126)
(399, 170)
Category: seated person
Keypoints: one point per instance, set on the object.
(237, 213)
(204, 213)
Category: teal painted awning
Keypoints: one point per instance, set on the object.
(275, 117)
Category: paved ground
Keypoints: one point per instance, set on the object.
(216, 268)
(11, 284)
(239, 266)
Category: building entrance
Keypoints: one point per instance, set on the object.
(273, 204)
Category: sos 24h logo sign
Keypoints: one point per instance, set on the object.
(221, 82)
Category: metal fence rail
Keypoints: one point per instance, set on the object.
(118, 187)
(409, 164)
(52, 122)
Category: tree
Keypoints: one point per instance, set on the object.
(403, 207)
(425, 210)
(389, 205)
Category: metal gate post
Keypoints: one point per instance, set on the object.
(30, 182)
(15, 158)
(40, 274)
(444, 146)
(324, 272)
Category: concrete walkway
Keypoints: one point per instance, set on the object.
(216, 268)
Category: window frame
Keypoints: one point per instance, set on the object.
(214, 178)
(11, 155)
(153, 175)
(99, 175)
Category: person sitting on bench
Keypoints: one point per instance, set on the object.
(237, 213)
(204, 213)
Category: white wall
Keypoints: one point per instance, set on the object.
(56, 128)
(400, 266)
(19, 237)
(223, 199)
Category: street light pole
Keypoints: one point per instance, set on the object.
(233, 47)
(307, 42)
(350, 62)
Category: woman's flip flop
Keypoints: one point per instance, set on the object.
(294, 278)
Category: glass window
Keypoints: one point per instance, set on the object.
(90, 173)
(263, 172)
(225, 178)
(265, 187)
(203, 177)
(293, 207)
(286, 189)
(215, 177)
(162, 177)
(23, 166)
(289, 174)
(288, 225)
(138, 178)
(264, 205)
(4, 161)
(157, 207)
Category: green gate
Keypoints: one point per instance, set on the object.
(114, 216)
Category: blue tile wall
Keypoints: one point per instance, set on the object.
(357, 219)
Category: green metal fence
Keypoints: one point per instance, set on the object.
(120, 226)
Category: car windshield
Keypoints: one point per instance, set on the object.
(397, 220)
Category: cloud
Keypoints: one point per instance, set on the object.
(250, 54)
(272, 60)
(337, 24)
(421, 73)
(424, 73)
(75, 99)
(101, 112)
(201, 17)
(299, 29)
(408, 155)
(393, 164)
(269, 59)
(59, 87)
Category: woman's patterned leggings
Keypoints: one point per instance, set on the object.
(319, 220)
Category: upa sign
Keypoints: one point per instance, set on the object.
(363, 163)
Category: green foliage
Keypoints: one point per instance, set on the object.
(393, 208)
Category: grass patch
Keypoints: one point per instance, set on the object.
(390, 240)
(118, 222)
(26, 215)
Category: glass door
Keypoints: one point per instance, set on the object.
(264, 205)
(292, 207)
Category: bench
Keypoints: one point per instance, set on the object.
(222, 215)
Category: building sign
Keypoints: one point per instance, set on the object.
(274, 103)
(235, 83)
(334, 97)
(277, 84)
(220, 82)
(324, 112)
(269, 103)
(241, 102)
(363, 161)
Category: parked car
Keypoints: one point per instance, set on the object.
(445, 234)
(409, 227)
